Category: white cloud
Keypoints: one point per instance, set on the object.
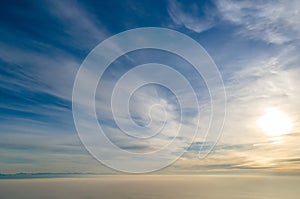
(83, 28)
(271, 21)
(190, 20)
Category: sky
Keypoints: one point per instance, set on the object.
(254, 44)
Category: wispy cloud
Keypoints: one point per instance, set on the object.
(36, 80)
(82, 27)
(191, 17)
(39, 64)
(271, 21)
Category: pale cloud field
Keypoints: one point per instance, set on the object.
(154, 187)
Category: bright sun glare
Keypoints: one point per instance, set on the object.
(275, 122)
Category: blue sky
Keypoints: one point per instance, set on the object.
(255, 45)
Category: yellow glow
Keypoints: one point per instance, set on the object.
(275, 122)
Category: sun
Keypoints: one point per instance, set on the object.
(275, 122)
